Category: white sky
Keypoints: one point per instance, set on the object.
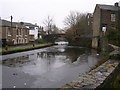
(36, 11)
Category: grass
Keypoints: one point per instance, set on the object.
(9, 51)
(116, 82)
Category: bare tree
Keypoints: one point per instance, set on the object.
(76, 25)
(48, 23)
(55, 29)
(77, 22)
(72, 19)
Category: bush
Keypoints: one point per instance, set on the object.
(116, 83)
(83, 42)
(115, 56)
(40, 41)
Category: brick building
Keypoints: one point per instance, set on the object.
(13, 34)
(105, 18)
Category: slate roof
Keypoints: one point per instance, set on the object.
(30, 24)
(109, 7)
(5, 23)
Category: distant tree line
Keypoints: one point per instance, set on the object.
(77, 27)
(50, 26)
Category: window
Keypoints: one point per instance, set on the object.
(26, 32)
(88, 23)
(113, 17)
(88, 16)
(17, 31)
(9, 32)
(20, 31)
(104, 29)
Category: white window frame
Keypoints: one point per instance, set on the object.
(113, 17)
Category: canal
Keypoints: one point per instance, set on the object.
(49, 67)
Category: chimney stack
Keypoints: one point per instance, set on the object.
(36, 24)
(116, 4)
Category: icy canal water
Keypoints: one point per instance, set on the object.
(49, 67)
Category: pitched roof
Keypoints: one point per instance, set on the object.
(30, 24)
(5, 23)
(109, 7)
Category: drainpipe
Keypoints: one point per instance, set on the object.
(11, 28)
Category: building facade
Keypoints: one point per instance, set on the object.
(33, 31)
(105, 18)
(13, 33)
(89, 19)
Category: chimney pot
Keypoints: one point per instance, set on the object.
(116, 4)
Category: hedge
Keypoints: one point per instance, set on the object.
(4, 52)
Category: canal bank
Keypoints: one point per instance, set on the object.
(106, 75)
(26, 48)
(95, 78)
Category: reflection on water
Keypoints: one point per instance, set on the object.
(51, 55)
(53, 66)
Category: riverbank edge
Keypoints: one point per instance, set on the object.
(94, 78)
(5, 52)
(103, 82)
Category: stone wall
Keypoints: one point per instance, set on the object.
(109, 82)
(96, 78)
(96, 26)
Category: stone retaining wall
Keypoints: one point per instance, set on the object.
(94, 78)
(110, 80)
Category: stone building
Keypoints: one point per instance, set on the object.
(11, 34)
(89, 19)
(105, 18)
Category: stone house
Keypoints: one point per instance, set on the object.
(89, 19)
(105, 17)
(15, 34)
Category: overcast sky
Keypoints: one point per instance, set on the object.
(36, 11)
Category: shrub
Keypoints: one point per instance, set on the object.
(114, 37)
(115, 56)
(40, 41)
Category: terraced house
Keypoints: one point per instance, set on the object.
(15, 33)
(105, 18)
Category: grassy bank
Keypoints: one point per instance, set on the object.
(4, 52)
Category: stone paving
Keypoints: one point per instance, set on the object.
(95, 77)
